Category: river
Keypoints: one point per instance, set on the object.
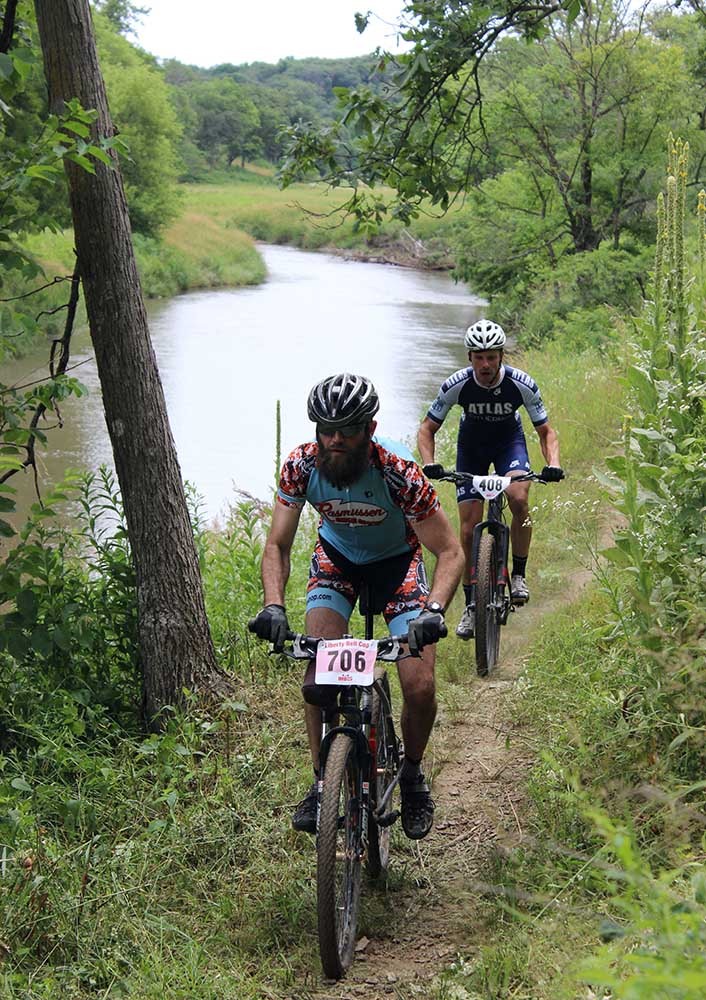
(226, 356)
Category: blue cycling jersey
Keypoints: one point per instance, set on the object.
(373, 518)
(491, 410)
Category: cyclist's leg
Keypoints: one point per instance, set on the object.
(419, 700)
(470, 513)
(416, 674)
(512, 459)
(469, 458)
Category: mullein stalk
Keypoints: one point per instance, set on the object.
(278, 441)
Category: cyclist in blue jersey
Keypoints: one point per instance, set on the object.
(376, 507)
(490, 395)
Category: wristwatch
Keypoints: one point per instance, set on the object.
(435, 607)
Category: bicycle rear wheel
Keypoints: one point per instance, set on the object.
(384, 769)
(339, 849)
(487, 618)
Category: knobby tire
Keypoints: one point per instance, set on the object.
(487, 619)
(339, 858)
(384, 770)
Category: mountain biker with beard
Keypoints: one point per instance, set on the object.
(490, 394)
(376, 508)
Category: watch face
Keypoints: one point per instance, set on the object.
(435, 607)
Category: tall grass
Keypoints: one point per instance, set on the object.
(308, 216)
(614, 860)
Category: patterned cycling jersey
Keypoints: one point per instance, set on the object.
(373, 519)
(493, 409)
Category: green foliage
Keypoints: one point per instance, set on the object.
(147, 122)
(656, 945)
(69, 630)
(41, 161)
(227, 121)
(22, 430)
(123, 14)
(576, 302)
(658, 479)
(231, 573)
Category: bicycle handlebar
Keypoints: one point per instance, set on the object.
(455, 476)
(304, 647)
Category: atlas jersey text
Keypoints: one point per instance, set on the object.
(493, 409)
(372, 519)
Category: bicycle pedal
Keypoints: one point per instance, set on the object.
(388, 819)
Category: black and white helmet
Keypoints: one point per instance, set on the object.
(484, 336)
(343, 399)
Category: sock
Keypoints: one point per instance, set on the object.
(467, 592)
(519, 565)
(410, 769)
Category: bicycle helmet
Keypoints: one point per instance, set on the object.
(484, 336)
(343, 399)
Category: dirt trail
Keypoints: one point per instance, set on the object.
(480, 771)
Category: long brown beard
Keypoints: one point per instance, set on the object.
(343, 470)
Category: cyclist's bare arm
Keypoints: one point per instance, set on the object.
(425, 439)
(549, 443)
(275, 558)
(436, 534)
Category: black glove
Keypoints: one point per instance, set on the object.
(271, 623)
(433, 471)
(424, 630)
(552, 473)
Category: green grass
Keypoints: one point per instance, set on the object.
(167, 867)
(303, 215)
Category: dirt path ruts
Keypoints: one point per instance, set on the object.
(480, 772)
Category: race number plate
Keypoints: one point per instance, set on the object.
(346, 661)
(490, 487)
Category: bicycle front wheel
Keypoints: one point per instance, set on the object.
(384, 768)
(339, 850)
(487, 618)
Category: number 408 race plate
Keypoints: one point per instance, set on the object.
(346, 661)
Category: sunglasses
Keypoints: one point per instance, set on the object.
(349, 431)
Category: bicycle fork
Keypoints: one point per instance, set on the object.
(358, 719)
(501, 534)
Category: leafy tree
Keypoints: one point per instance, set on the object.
(574, 127)
(419, 135)
(124, 14)
(147, 122)
(176, 650)
(226, 120)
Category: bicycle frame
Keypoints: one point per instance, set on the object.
(355, 704)
(495, 524)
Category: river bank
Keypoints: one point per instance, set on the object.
(308, 216)
(214, 243)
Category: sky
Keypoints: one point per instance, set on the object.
(210, 32)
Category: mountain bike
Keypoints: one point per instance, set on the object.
(359, 770)
(491, 600)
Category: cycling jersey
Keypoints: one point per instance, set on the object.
(373, 519)
(492, 411)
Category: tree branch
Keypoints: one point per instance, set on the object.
(8, 26)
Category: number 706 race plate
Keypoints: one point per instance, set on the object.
(346, 661)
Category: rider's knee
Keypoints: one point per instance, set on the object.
(420, 691)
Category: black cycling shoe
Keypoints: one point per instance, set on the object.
(417, 806)
(304, 816)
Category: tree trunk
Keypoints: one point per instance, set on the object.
(176, 649)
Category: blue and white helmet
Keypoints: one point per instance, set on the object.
(485, 336)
